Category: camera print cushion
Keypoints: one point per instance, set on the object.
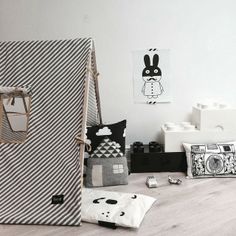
(211, 160)
(115, 132)
(114, 208)
(106, 172)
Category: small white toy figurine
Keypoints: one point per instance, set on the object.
(174, 181)
(151, 182)
(151, 74)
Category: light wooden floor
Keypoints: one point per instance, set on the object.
(197, 207)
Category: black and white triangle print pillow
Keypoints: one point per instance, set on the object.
(107, 149)
(110, 135)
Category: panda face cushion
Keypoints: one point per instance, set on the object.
(121, 209)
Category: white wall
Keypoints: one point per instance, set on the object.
(201, 35)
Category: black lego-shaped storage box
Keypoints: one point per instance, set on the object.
(147, 161)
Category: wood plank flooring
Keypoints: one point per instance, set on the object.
(197, 207)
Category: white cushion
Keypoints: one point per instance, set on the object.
(123, 209)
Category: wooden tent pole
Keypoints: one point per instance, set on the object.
(96, 85)
(90, 72)
(84, 124)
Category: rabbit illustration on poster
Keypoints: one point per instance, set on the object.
(152, 87)
(151, 76)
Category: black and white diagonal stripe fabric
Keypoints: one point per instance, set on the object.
(47, 165)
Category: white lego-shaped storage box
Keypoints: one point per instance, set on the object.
(223, 119)
(174, 139)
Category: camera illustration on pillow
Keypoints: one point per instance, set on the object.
(211, 160)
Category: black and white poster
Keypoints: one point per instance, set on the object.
(151, 76)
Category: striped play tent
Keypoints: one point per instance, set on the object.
(40, 179)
